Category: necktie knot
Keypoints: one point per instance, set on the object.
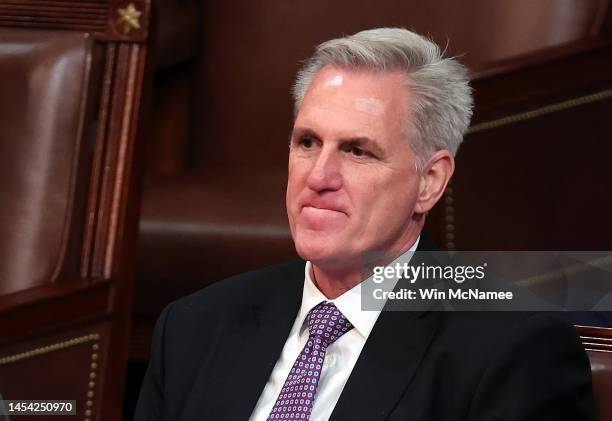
(327, 323)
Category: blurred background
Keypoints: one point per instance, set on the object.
(143, 147)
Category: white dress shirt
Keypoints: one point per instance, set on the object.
(340, 357)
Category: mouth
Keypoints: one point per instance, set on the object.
(319, 208)
(322, 218)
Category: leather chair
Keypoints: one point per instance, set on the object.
(598, 344)
(72, 77)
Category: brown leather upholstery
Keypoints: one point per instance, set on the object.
(71, 79)
(213, 230)
(601, 365)
(42, 78)
(598, 343)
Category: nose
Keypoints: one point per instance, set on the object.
(325, 173)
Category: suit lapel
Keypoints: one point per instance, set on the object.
(248, 352)
(390, 357)
(386, 365)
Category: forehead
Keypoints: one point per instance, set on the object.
(372, 82)
(375, 99)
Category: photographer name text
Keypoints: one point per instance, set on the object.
(441, 295)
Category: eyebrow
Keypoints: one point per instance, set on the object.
(299, 132)
(361, 141)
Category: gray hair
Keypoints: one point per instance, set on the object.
(441, 100)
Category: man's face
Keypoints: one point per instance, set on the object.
(352, 184)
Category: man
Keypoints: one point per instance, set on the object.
(379, 117)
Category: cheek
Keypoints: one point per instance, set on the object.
(295, 184)
(293, 181)
(402, 202)
(292, 170)
(388, 198)
(367, 193)
(296, 166)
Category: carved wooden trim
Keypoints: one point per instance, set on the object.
(541, 111)
(89, 16)
(128, 20)
(56, 305)
(113, 199)
(112, 166)
(109, 20)
(595, 338)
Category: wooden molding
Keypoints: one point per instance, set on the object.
(108, 20)
(595, 338)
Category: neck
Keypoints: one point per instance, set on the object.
(333, 283)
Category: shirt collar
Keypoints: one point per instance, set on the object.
(349, 303)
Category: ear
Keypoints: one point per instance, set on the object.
(434, 178)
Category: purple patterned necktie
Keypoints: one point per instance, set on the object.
(325, 324)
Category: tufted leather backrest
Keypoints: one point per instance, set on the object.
(43, 81)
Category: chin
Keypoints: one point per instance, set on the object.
(323, 250)
(313, 251)
(316, 247)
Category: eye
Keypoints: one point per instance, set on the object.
(306, 141)
(357, 151)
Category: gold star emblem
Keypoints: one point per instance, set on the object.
(128, 18)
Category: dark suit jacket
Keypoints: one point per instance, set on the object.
(213, 352)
